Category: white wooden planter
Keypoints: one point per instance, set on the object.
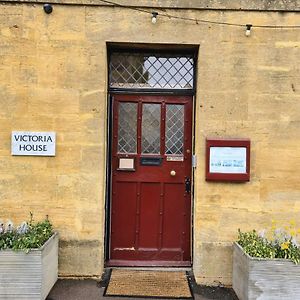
(260, 278)
(29, 276)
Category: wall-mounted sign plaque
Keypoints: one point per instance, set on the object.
(228, 159)
(33, 143)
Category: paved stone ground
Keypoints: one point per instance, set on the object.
(92, 290)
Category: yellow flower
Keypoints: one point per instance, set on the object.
(285, 245)
(292, 232)
(298, 231)
(293, 222)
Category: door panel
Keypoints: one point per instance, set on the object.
(151, 160)
(149, 216)
(172, 228)
(124, 200)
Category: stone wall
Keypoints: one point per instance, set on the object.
(53, 71)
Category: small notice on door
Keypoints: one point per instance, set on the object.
(33, 143)
(174, 158)
(126, 164)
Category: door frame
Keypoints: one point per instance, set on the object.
(108, 192)
(156, 48)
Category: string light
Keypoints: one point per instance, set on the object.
(197, 21)
(248, 29)
(154, 17)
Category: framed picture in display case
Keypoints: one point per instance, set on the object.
(227, 159)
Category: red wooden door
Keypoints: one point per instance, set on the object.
(151, 173)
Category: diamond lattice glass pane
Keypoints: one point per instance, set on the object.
(151, 129)
(142, 70)
(127, 127)
(174, 129)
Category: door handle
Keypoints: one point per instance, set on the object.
(187, 185)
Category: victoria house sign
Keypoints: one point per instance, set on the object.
(33, 143)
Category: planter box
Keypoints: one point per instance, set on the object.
(29, 276)
(261, 278)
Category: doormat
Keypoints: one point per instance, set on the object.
(149, 284)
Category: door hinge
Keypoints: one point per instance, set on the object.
(194, 161)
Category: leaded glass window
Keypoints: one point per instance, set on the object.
(127, 127)
(151, 129)
(174, 129)
(142, 70)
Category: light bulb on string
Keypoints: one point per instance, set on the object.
(248, 29)
(154, 17)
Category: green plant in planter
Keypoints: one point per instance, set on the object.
(26, 236)
(277, 243)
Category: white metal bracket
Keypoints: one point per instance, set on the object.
(194, 161)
